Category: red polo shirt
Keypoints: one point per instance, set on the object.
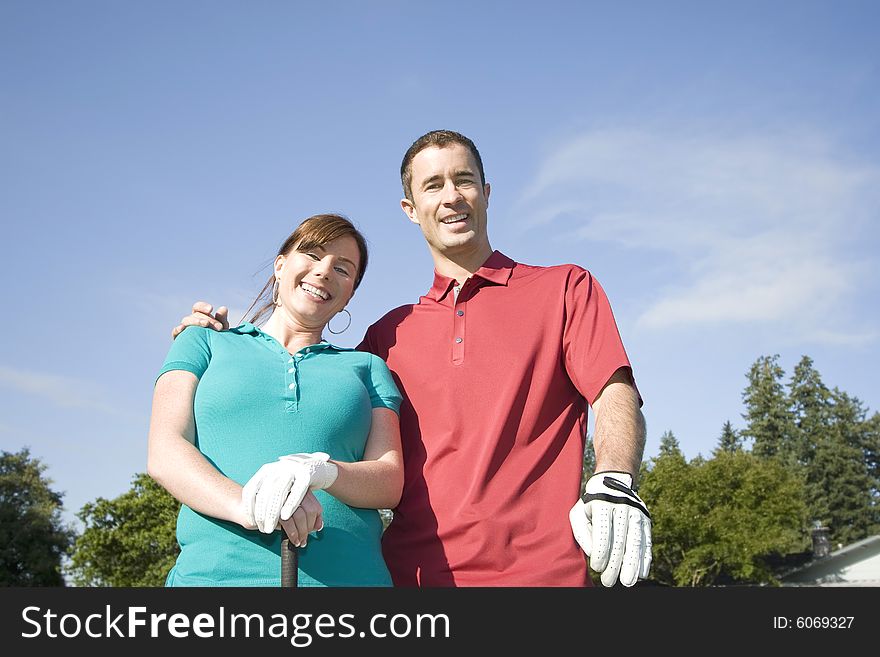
(493, 420)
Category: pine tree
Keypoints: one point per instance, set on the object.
(842, 472)
(871, 449)
(669, 445)
(809, 404)
(729, 441)
(768, 420)
(810, 408)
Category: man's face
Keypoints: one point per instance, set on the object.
(449, 202)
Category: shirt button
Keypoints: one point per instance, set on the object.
(290, 361)
(460, 313)
(458, 340)
(291, 371)
(292, 386)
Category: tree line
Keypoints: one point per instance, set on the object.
(808, 456)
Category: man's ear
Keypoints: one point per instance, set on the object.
(486, 189)
(410, 209)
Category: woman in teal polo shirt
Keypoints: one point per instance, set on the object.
(259, 427)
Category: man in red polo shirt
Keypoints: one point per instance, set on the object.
(497, 363)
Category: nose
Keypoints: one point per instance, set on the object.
(322, 268)
(451, 193)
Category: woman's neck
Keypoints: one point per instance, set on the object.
(290, 333)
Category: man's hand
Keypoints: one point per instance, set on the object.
(278, 488)
(201, 316)
(308, 517)
(613, 527)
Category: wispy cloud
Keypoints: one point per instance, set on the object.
(66, 392)
(756, 228)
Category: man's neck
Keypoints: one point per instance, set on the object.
(460, 266)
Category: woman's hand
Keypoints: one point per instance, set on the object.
(277, 488)
(308, 517)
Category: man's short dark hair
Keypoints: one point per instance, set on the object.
(440, 139)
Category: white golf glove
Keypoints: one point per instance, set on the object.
(277, 488)
(613, 527)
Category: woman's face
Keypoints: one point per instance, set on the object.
(315, 284)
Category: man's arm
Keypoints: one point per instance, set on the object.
(203, 315)
(619, 435)
(611, 523)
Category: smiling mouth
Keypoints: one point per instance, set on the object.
(454, 219)
(314, 292)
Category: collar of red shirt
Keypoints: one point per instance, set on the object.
(496, 269)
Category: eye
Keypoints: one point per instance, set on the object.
(312, 256)
(465, 182)
(342, 270)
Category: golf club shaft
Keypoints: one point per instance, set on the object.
(289, 564)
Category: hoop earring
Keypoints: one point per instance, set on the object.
(344, 310)
(275, 287)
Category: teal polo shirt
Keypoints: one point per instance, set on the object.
(256, 402)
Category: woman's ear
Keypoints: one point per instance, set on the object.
(279, 265)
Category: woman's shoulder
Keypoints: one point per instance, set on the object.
(212, 339)
(194, 334)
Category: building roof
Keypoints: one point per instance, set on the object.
(836, 569)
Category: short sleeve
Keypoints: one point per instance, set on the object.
(591, 340)
(190, 351)
(383, 391)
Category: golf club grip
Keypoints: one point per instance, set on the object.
(289, 564)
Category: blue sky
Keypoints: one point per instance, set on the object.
(715, 165)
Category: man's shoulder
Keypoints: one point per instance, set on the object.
(393, 317)
(563, 272)
(384, 333)
(354, 357)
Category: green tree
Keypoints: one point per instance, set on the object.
(589, 464)
(730, 440)
(33, 537)
(129, 540)
(722, 520)
(823, 437)
(810, 407)
(841, 474)
(664, 482)
(768, 419)
(871, 449)
(669, 445)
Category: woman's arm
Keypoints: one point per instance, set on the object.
(175, 463)
(376, 482)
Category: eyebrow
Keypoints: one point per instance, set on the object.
(457, 174)
(354, 266)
